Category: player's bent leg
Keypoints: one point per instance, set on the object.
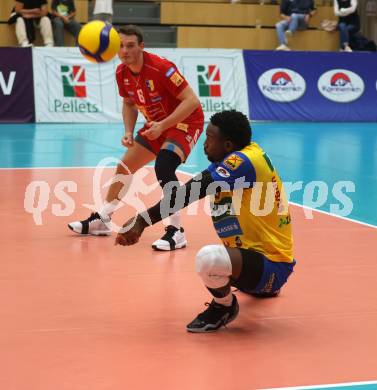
(214, 266)
(261, 277)
(133, 159)
(98, 223)
(167, 162)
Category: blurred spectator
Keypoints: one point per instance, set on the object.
(103, 10)
(349, 22)
(64, 12)
(29, 14)
(296, 15)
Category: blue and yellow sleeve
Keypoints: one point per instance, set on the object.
(236, 170)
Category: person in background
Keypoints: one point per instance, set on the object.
(31, 14)
(296, 15)
(348, 23)
(103, 10)
(64, 12)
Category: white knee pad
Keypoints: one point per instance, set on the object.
(214, 266)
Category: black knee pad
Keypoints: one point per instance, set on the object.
(165, 166)
(251, 272)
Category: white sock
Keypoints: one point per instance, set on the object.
(175, 220)
(226, 301)
(108, 209)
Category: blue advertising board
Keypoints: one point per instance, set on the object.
(311, 86)
(16, 85)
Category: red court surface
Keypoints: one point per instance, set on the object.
(78, 313)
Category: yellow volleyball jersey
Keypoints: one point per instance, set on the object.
(251, 210)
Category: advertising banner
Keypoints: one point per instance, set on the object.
(16, 85)
(217, 76)
(311, 86)
(68, 88)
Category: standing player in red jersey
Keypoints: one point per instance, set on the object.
(154, 86)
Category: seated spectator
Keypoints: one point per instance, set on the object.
(296, 15)
(31, 14)
(103, 10)
(64, 12)
(348, 23)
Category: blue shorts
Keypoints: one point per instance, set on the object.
(274, 276)
(259, 275)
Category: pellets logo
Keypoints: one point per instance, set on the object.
(75, 95)
(341, 86)
(73, 79)
(218, 80)
(209, 80)
(282, 85)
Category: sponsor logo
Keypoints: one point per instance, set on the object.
(126, 82)
(73, 96)
(156, 99)
(340, 85)
(221, 171)
(73, 80)
(215, 80)
(150, 85)
(152, 112)
(6, 86)
(209, 81)
(282, 85)
(176, 79)
(233, 161)
(182, 126)
(170, 71)
(228, 228)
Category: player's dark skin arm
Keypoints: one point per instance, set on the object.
(196, 188)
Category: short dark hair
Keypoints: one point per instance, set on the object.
(234, 126)
(131, 29)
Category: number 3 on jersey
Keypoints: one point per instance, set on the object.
(140, 95)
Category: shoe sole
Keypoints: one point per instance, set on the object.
(230, 319)
(94, 233)
(167, 248)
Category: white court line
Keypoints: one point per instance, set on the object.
(327, 386)
(192, 175)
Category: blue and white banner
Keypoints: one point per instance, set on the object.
(312, 86)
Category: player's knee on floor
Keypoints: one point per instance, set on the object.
(165, 166)
(214, 266)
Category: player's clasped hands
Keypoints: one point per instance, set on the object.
(153, 131)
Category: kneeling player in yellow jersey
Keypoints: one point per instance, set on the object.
(250, 215)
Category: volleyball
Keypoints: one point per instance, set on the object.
(98, 41)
